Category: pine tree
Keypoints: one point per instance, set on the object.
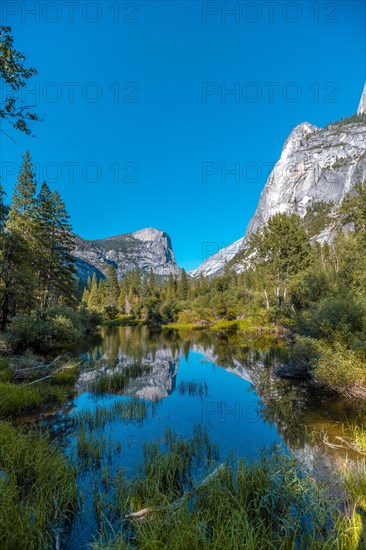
(152, 283)
(112, 286)
(93, 301)
(18, 271)
(85, 297)
(172, 285)
(21, 218)
(55, 243)
(183, 287)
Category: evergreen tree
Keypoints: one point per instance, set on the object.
(152, 283)
(85, 297)
(55, 243)
(353, 210)
(18, 271)
(172, 285)
(112, 286)
(21, 217)
(183, 286)
(93, 301)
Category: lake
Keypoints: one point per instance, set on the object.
(180, 380)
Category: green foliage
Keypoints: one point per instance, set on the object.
(353, 209)
(54, 245)
(268, 504)
(37, 266)
(341, 369)
(112, 289)
(14, 74)
(282, 250)
(317, 217)
(55, 326)
(5, 369)
(338, 317)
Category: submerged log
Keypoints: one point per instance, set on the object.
(145, 512)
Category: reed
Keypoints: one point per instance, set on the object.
(134, 410)
(116, 382)
(37, 490)
(270, 504)
(192, 388)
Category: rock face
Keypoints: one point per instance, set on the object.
(316, 164)
(215, 264)
(146, 249)
(362, 105)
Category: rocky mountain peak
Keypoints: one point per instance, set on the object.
(317, 165)
(146, 249)
(148, 234)
(295, 138)
(362, 105)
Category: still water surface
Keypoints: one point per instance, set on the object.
(219, 381)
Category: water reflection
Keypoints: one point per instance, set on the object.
(295, 408)
(220, 380)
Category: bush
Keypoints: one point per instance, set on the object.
(110, 312)
(304, 354)
(335, 317)
(340, 369)
(58, 325)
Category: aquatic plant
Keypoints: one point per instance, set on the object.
(193, 388)
(115, 382)
(132, 410)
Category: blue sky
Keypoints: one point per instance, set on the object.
(138, 129)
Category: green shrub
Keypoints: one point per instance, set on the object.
(335, 317)
(304, 354)
(58, 325)
(340, 369)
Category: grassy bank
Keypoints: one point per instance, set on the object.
(186, 496)
(37, 490)
(123, 321)
(249, 326)
(27, 385)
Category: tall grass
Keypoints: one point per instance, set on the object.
(116, 382)
(16, 399)
(266, 505)
(37, 490)
(133, 410)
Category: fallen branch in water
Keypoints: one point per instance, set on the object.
(144, 512)
(38, 367)
(60, 369)
(35, 381)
